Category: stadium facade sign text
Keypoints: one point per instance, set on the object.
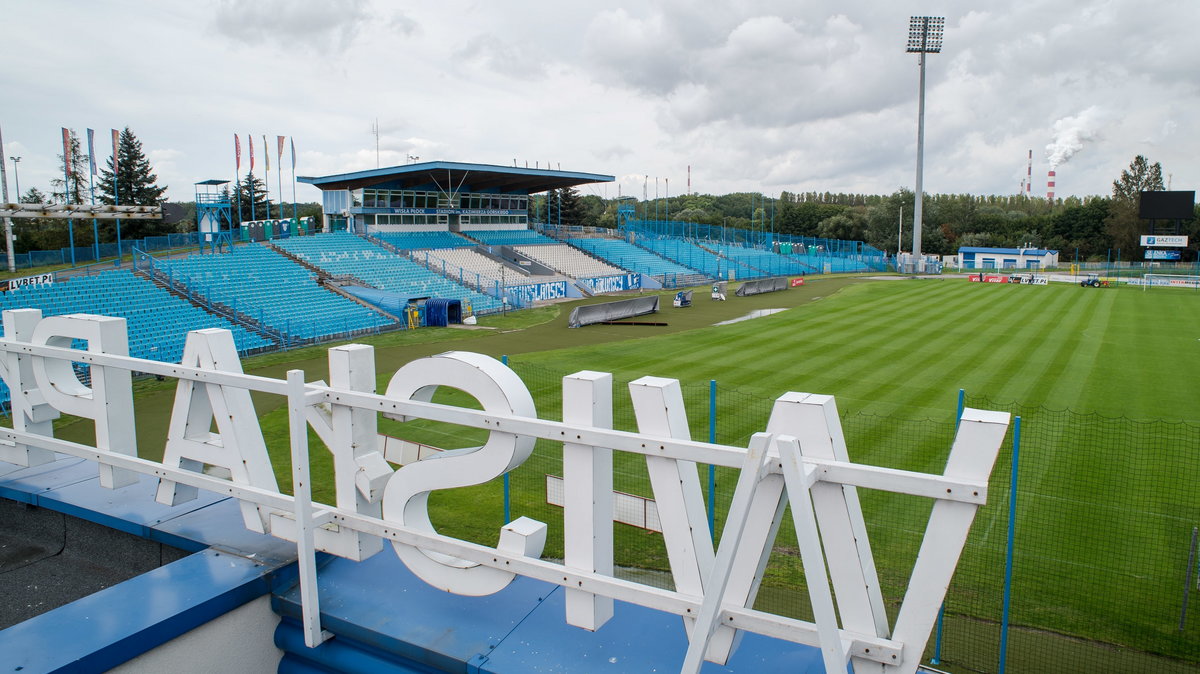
(35, 280)
(799, 462)
(1153, 254)
(612, 284)
(439, 211)
(537, 292)
(1172, 241)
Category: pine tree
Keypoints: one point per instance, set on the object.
(570, 204)
(136, 181)
(252, 191)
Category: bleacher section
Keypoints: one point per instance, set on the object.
(472, 267)
(837, 264)
(422, 240)
(158, 321)
(345, 253)
(513, 237)
(569, 261)
(633, 258)
(690, 255)
(767, 263)
(280, 294)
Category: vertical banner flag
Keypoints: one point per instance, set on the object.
(293, 154)
(91, 151)
(67, 151)
(251, 139)
(237, 152)
(266, 155)
(281, 139)
(116, 141)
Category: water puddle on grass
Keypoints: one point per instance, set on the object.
(757, 313)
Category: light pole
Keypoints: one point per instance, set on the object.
(924, 37)
(16, 176)
(412, 158)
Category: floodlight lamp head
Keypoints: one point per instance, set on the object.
(925, 34)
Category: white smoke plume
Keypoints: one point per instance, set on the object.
(1072, 133)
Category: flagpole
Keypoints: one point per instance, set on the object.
(237, 177)
(67, 190)
(92, 191)
(250, 177)
(8, 224)
(294, 182)
(116, 161)
(267, 170)
(279, 173)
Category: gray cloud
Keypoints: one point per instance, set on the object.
(327, 26)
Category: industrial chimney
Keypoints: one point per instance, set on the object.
(1050, 186)
(1029, 175)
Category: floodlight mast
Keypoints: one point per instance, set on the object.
(924, 37)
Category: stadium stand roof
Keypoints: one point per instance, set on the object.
(1007, 251)
(456, 177)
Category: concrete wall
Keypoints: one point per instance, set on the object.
(239, 641)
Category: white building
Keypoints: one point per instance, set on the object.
(1006, 258)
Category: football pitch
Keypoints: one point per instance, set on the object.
(894, 354)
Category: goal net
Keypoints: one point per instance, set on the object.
(1170, 281)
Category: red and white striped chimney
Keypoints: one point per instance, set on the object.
(1029, 175)
(1050, 186)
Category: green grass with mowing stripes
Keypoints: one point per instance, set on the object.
(896, 349)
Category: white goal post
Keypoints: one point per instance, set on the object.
(1170, 281)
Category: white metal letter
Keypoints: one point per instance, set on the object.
(588, 487)
(405, 500)
(109, 400)
(31, 413)
(237, 446)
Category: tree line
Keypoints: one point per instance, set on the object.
(131, 182)
(1089, 228)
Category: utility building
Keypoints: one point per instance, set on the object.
(1006, 258)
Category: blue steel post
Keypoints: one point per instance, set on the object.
(1008, 554)
(941, 619)
(507, 493)
(712, 470)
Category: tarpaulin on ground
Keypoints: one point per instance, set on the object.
(393, 303)
(611, 311)
(762, 285)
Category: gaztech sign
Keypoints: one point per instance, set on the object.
(38, 280)
(1151, 240)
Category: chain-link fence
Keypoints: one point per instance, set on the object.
(1102, 562)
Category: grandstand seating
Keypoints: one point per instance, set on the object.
(691, 255)
(765, 262)
(568, 260)
(266, 286)
(422, 240)
(474, 268)
(511, 237)
(345, 253)
(837, 264)
(633, 258)
(157, 320)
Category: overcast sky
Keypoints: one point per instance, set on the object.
(755, 96)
